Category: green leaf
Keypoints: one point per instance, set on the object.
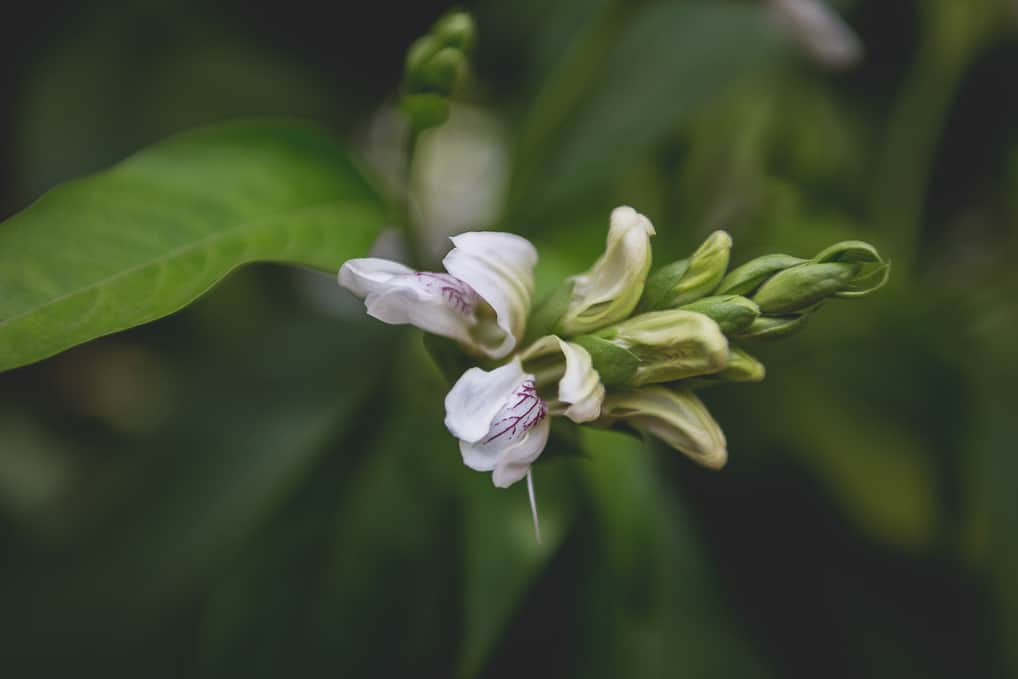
(145, 238)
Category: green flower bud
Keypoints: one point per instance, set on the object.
(774, 327)
(441, 73)
(689, 279)
(803, 286)
(456, 29)
(611, 289)
(677, 417)
(669, 345)
(741, 368)
(751, 275)
(425, 110)
(732, 313)
(875, 269)
(436, 64)
(420, 51)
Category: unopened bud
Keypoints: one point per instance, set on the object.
(732, 313)
(689, 279)
(677, 417)
(668, 345)
(745, 279)
(875, 270)
(610, 290)
(774, 327)
(441, 73)
(456, 29)
(435, 66)
(742, 368)
(803, 286)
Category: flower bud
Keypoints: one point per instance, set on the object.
(668, 345)
(745, 279)
(456, 29)
(441, 73)
(677, 417)
(610, 290)
(732, 313)
(875, 270)
(801, 287)
(435, 66)
(689, 279)
(774, 327)
(741, 368)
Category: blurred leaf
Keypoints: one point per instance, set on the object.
(652, 605)
(251, 424)
(670, 61)
(145, 238)
(502, 560)
(174, 66)
(327, 581)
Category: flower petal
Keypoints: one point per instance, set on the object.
(581, 385)
(515, 464)
(500, 267)
(580, 391)
(370, 275)
(611, 289)
(477, 397)
(434, 302)
(514, 436)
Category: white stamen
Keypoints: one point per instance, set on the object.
(533, 506)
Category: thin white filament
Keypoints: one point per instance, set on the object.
(533, 506)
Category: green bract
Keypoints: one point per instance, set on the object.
(689, 279)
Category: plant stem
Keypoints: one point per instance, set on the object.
(412, 235)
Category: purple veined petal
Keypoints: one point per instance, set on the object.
(434, 302)
(516, 436)
(477, 398)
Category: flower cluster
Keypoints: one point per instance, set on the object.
(614, 346)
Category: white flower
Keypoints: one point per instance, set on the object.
(611, 289)
(482, 302)
(501, 422)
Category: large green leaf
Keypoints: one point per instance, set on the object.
(147, 237)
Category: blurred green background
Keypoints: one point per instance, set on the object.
(261, 485)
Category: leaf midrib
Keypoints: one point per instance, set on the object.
(180, 251)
